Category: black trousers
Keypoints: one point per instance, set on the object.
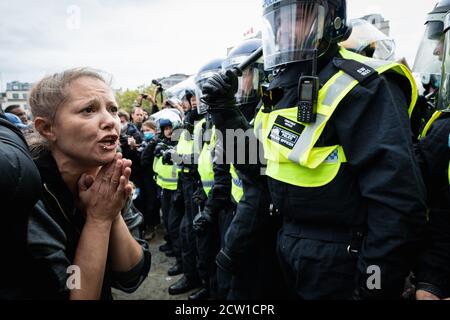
(315, 266)
(260, 275)
(176, 214)
(188, 240)
(166, 204)
(208, 245)
(223, 279)
(149, 203)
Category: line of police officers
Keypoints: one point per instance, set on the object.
(352, 194)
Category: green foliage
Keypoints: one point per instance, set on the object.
(128, 98)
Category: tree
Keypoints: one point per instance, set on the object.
(126, 99)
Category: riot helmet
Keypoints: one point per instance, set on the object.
(368, 40)
(205, 72)
(444, 91)
(249, 84)
(428, 62)
(298, 30)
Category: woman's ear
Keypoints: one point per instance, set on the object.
(45, 128)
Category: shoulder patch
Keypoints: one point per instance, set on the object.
(357, 70)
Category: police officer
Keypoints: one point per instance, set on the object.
(340, 165)
(251, 237)
(206, 239)
(186, 158)
(427, 66)
(167, 179)
(433, 153)
(177, 210)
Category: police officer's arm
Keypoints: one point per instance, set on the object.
(237, 133)
(220, 195)
(374, 129)
(433, 270)
(251, 215)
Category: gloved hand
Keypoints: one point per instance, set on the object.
(153, 143)
(225, 262)
(159, 149)
(219, 91)
(189, 120)
(199, 197)
(202, 221)
(177, 197)
(167, 156)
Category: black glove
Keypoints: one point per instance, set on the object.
(225, 262)
(219, 91)
(190, 118)
(199, 197)
(167, 156)
(159, 149)
(153, 143)
(177, 197)
(202, 222)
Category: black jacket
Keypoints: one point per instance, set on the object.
(219, 197)
(53, 234)
(433, 154)
(132, 154)
(20, 189)
(380, 189)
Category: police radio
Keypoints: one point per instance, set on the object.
(308, 94)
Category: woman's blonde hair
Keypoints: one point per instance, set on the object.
(48, 95)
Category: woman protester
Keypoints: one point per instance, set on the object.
(83, 236)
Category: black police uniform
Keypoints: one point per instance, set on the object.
(433, 154)
(150, 201)
(379, 194)
(188, 184)
(219, 207)
(248, 259)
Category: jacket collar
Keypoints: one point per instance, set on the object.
(55, 189)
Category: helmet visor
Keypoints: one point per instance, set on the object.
(431, 51)
(200, 80)
(248, 88)
(444, 91)
(367, 40)
(292, 31)
(249, 83)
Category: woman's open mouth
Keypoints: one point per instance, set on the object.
(109, 142)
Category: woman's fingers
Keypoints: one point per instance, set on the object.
(122, 185)
(82, 183)
(85, 182)
(107, 171)
(126, 164)
(127, 173)
(115, 179)
(128, 191)
(125, 189)
(89, 181)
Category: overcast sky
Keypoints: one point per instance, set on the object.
(139, 40)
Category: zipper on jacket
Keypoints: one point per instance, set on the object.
(60, 208)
